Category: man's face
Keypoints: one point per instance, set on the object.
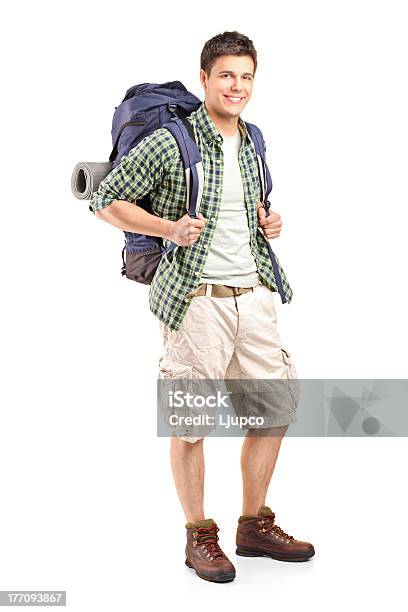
(229, 86)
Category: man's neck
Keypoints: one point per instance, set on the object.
(227, 126)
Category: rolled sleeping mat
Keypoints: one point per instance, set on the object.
(87, 176)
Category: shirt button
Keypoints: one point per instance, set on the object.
(195, 273)
(218, 190)
(204, 246)
(213, 219)
(218, 161)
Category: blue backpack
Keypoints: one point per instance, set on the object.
(144, 109)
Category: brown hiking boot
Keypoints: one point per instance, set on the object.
(258, 536)
(204, 555)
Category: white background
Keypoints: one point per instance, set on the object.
(87, 500)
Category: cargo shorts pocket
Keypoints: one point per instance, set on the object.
(182, 401)
(173, 382)
(170, 369)
(291, 375)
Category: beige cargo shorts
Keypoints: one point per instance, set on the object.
(233, 337)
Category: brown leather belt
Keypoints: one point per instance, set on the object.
(217, 291)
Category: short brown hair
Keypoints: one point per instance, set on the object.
(227, 43)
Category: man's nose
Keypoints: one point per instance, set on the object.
(237, 85)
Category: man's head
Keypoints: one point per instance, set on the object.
(228, 65)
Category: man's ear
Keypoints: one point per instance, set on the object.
(203, 78)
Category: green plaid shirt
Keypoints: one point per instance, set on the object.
(154, 167)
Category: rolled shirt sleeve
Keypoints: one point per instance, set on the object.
(139, 173)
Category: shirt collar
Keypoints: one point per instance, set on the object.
(208, 129)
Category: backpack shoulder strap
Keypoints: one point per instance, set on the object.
(266, 188)
(263, 170)
(183, 132)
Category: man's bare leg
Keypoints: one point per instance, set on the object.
(187, 463)
(258, 458)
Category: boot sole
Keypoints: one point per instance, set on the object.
(253, 552)
(220, 579)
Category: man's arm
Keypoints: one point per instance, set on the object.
(132, 218)
(138, 174)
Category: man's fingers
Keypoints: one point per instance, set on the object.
(271, 234)
(273, 217)
(271, 222)
(197, 223)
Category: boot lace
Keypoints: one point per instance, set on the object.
(207, 537)
(268, 526)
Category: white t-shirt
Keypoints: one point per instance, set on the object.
(230, 261)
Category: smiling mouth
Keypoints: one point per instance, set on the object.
(234, 99)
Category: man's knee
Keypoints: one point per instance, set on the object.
(190, 439)
(186, 441)
(268, 432)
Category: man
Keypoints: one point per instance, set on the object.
(215, 297)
